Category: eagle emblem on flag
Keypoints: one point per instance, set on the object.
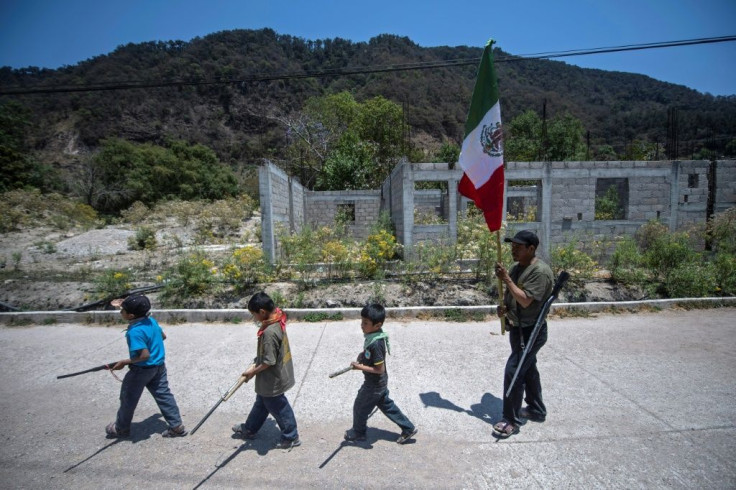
(491, 139)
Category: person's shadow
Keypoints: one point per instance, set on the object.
(139, 431)
(264, 442)
(488, 410)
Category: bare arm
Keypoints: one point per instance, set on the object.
(519, 295)
(379, 369)
(144, 355)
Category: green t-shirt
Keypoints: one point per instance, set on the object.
(273, 349)
(536, 280)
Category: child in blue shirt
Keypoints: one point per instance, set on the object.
(147, 369)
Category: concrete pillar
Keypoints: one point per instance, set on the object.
(674, 194)
(546, 209)
(452, 208)
(267, 234)
(408, 208)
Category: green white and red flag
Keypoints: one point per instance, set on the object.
(481, 156)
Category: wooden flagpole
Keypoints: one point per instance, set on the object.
(500, 282)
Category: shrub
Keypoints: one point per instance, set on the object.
(568, 258)
(475, 241)
(337, 256)
(136, 213)
(112, 283)
(193, 275)
(649, 232)
(144, 239)
(434, 257)
(668, 251)
(22, 207)
(723, 231)
(725, 265)
(627, 263)
(377, 249)
(691, 279)
(246, 266)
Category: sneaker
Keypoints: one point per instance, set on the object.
(180, 431)
(243, 433)
(352, 436)
(405, 436)
(113, 432)
(288, 444)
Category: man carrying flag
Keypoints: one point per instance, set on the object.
(481, 156)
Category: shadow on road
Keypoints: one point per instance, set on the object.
(139, 432)
(267, 438)
(488, 410)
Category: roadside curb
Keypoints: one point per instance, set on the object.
(27, 318)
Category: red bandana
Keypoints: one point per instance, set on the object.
(280, 317)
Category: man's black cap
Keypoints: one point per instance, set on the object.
(137, 305)
(524, 237)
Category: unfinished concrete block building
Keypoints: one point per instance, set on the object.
(555, 199)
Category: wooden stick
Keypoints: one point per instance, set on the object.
(500, 282)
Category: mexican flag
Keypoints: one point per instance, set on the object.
(481, 156)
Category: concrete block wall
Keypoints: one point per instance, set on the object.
(565, 199)
(726, 181)
(282, 206)
(322, 207)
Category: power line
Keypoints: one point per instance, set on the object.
(51, 89)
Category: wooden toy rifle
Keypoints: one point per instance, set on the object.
(341, 371)
(561, 280)
(225, 397)
(107, 366)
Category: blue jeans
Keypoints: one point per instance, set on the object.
(370, 397)
(278, 407)
(153, 378)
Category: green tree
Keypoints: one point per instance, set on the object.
(448, 153)
(565, 138)
(522, 137)
(124, 172)
(19, 168)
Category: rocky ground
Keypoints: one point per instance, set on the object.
(47, 269)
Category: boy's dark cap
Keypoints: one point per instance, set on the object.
(137, 305)
(524, 237)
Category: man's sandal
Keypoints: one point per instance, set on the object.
(113, 432)
(179, 431)
(505, 429)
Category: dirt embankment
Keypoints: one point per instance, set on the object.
(46, 269)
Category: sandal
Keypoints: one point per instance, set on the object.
(525, 413)
(175, 432)
(505, 429)
(112, 431)
(243, 433)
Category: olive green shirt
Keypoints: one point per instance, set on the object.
(536, 280)
(273, 350)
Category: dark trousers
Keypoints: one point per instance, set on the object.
(370, 397)
(154, 379)
(279, 408)
(528, 380)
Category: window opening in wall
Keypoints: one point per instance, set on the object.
(693, 180)
(431, 202)
(611, 198)
(522, 200)
(345, 213)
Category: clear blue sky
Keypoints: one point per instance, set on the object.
(56, 33)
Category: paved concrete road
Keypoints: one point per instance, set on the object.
(635, 401)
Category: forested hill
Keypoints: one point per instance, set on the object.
(241, 121)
